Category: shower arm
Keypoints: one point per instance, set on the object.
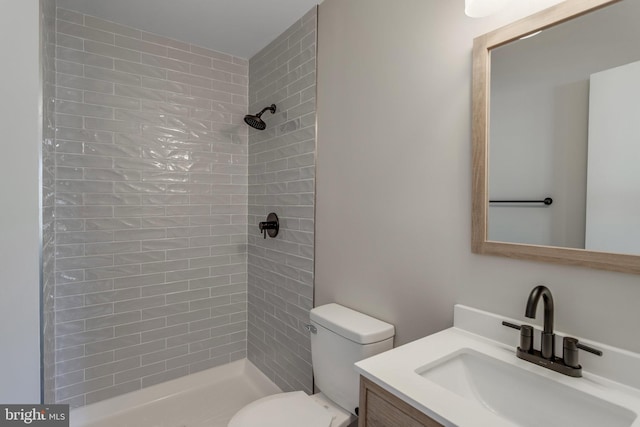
(272, 108)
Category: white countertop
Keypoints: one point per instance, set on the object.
(395, 371)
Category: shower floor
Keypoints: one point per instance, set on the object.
(205, 399)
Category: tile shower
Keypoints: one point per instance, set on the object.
(154, 213)
(282, 180)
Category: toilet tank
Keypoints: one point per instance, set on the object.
(341, 338)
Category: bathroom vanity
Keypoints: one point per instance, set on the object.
(378, 408)
(469, 375)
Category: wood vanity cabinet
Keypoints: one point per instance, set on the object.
(379, 408)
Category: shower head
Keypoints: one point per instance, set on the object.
(255, 121)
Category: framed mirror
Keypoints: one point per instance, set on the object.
(556, 137)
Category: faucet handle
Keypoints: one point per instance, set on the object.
(589, 349)
(573, 343)
(526, 335)
(570, 347)
(526, 338)
(511, 325)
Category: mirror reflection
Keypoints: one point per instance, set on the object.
(565, 124)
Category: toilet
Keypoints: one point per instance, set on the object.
(339, 338)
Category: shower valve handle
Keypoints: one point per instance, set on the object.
(271, 226)
(267, 225)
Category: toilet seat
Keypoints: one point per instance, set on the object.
(293, 409)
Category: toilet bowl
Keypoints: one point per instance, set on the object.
(293, 409)
(339, 338)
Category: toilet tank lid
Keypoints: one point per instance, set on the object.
(351, 324)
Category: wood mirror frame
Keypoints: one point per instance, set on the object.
(482, 47)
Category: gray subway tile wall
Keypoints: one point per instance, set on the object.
(151, 208)
(48, 42)
(282, 180)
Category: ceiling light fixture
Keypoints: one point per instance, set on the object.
(482, 8)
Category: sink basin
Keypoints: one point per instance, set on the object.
(520, 396)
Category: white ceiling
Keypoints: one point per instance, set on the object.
(237, 27)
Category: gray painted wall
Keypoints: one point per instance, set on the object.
(393, 213)
(20, 188)
(281, 180)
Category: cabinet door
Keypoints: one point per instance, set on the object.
(379, 408)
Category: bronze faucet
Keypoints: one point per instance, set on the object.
(546, 357)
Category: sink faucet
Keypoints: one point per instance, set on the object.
(547, 345)
(546, 357)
